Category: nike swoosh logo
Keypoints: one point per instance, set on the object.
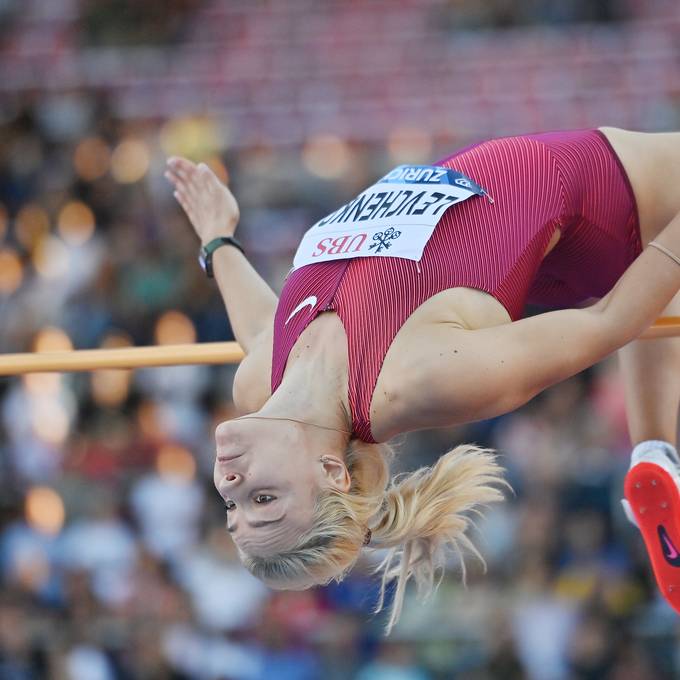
(311, 301)
(670, 552)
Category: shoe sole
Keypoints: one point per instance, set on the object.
(655, 500)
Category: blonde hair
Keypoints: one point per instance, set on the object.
(417, 516)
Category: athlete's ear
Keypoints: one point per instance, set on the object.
(335, 473)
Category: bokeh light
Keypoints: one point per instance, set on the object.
(39, 384)
(44, 510)
(130, 161)
(92, 158)
(51, 339)
(175, 461)
(31, 569)
(31, 225)
(111, 387)
(76, 223)
(116, 339)
(173, 327)
(48, 339)
(50, 258)
(409, 144)
(261, 161)
(326, 156)
(192, 137)
(149, 420)
(11, 271)
(50, 420)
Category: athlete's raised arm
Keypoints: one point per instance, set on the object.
(213, 212)
(461, 375)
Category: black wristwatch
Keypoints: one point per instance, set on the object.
(205, 254)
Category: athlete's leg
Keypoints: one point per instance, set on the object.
(651, 371)
(651, 368)
(651, 374)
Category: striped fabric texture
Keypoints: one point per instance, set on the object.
(570, 180)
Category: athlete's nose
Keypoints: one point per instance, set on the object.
(232, 478)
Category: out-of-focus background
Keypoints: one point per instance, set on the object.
(114, 559)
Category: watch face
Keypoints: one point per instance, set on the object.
(201, 260)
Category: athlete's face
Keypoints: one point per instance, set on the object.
(269, 479)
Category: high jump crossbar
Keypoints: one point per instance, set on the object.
(175, 355)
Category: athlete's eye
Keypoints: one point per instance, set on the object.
(263, 498)
(230, 505)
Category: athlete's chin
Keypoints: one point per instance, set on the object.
(226, 434)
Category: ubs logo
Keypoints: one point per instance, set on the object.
(339, 245)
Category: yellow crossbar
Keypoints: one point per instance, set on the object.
(173, 355)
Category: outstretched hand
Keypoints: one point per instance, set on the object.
(208, 203)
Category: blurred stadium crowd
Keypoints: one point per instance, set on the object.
(114, 560)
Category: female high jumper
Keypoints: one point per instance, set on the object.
(403, 311)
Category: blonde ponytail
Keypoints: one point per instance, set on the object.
(427, 513)
(417, 516)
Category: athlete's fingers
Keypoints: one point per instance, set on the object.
(193, 180)
(195, 183)
(210, 181)
(188, 184)
(186, 175)
(172, 177)
(207, 174)
(202, 188)
(180, 164)
(179, 183)
(186, 206)
(201, 179)
(182, 197)
(179, 198)
(193, 189)
(197, 178)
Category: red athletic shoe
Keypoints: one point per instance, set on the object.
(652, 490)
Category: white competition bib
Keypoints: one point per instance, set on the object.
(395, 217)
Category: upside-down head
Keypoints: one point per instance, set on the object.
(316, 518)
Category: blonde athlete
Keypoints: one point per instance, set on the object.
(403, 311)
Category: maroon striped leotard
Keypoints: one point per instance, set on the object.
(571, 180)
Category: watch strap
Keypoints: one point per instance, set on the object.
(206, 253)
